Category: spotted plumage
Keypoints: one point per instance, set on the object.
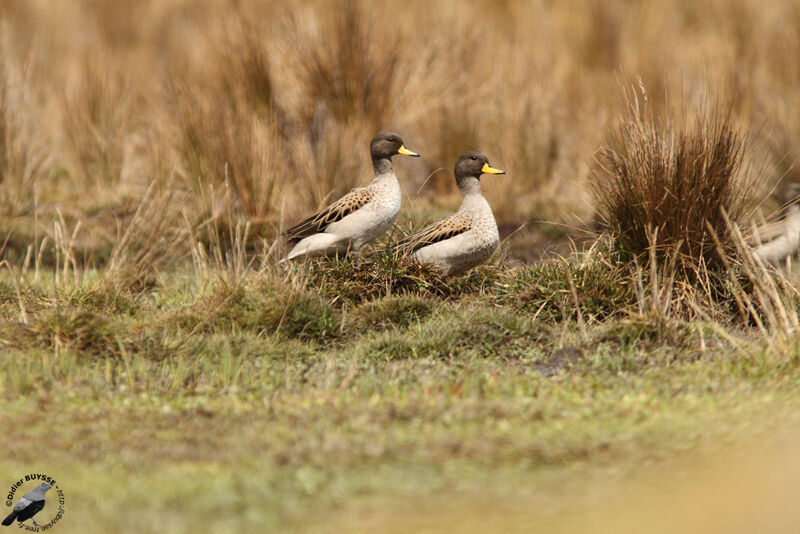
(358, 217)
(355, 199)
(468, 237)
(447, 228)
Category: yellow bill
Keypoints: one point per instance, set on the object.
(406, 152)
(491, 170)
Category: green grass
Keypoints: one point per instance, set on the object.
(272, 399)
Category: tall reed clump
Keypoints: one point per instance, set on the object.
(230, 125)
(670, 193)
(674, 187)
(25, 152)
(99, 115)
(350, 67)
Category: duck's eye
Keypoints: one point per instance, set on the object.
(392, 140)
(473, 157)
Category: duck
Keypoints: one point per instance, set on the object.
(466, 238)
(361, 215)
(774, 242)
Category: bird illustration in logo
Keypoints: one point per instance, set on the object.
(29, 505)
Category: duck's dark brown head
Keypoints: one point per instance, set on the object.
(471, 164)
(387, 144)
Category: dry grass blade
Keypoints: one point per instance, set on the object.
(769, 300)
(150, 240)
(25, 156)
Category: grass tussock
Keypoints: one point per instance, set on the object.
(592, 290)
(345, 281)
(228, 125)
(83, 332)
(263, 309)
(101, 104)
(26, 158)
(152, 238)
(674, 188)
(672, 195)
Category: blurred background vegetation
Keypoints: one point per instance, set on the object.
(262, 111)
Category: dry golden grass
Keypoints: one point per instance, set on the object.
(274, 103)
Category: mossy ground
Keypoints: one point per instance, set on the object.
(281, 399)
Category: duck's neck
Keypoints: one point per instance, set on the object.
(470, 186)
(382, 166)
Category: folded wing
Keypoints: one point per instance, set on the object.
(440, 231)
(337, 211)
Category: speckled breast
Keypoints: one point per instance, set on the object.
(386, 208)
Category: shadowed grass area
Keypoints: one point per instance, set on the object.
(384, 274)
